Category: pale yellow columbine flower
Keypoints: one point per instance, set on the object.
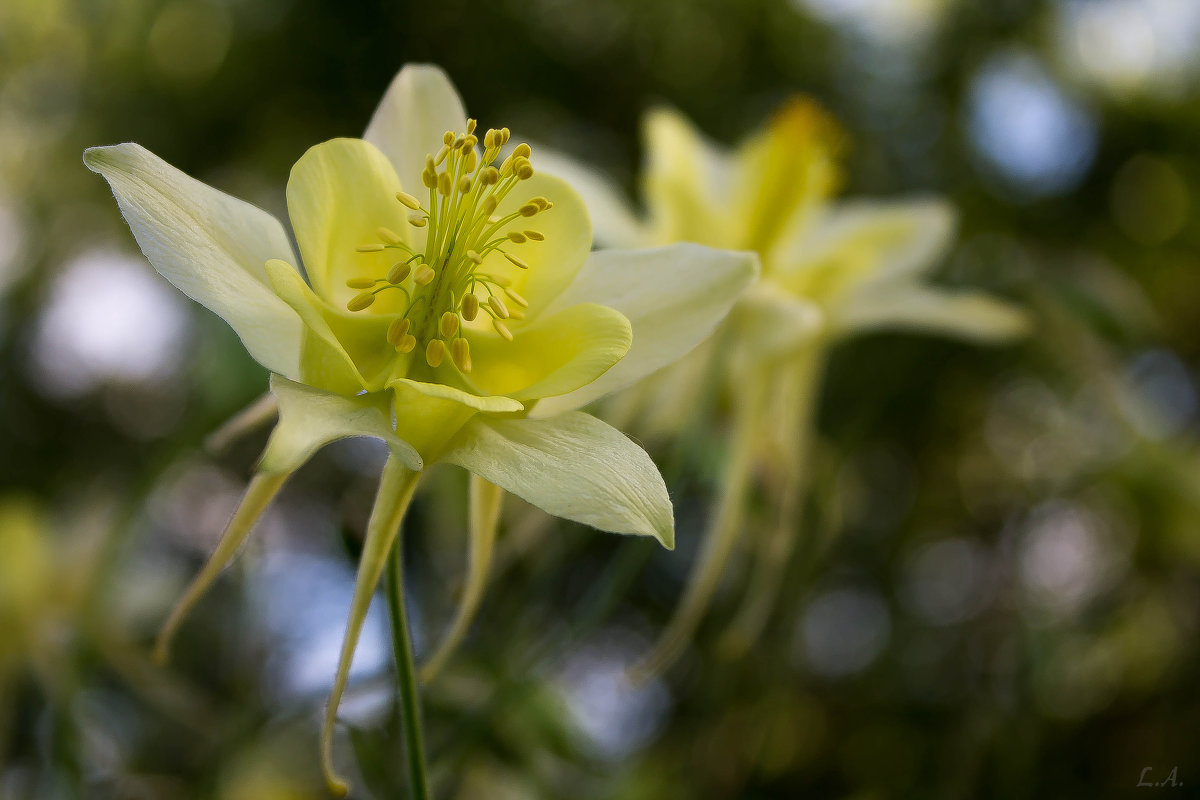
(830, 270)
(448, 292)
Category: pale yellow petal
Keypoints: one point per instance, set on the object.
(553, 263)
(339, 194)
(856, 243)
(419, 106)
(686, 183)
(344, 352)
(784, 172)
(555, 354)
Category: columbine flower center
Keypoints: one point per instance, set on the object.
(443, 286)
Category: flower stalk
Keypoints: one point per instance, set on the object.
(406, 675)
(396, 488)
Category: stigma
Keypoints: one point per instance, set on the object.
(443, 284)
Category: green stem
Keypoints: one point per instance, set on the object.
(406, 674)
(396, 488)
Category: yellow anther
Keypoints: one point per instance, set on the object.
(389, 235)
(464, 185)
(517, 261)
(529, 209)
(535, 236)
(442, 152)
(498, 307)
(540, 202)
(407, 199)
(435, 351)
(397, 331)
(407, 344)
(369, 248)
(489, 204)
(448, 325)
(469, 142)
(460, 350)
(472, 160)
(360, 301)
(418, 220)
(429, 177)
(360, 283)
(522, 151)
(424, 275)
(471, 124)
(516, 313)
(524, 170)
(448, 138)
(502, 329)
(490, 176)
(489, 139)
(444, 184)
(504, 134)
(470, 307)
(398, 272)
(457, 143)
(516, 237)
(474, 256)
(516, 298)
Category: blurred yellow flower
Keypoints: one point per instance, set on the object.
(435, 323)
(830, 270)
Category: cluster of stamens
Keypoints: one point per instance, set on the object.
(443, 286)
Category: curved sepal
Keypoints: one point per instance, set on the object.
(310, 419)
(210, 245)
(573, 466)
(959, 314)
(259, 494)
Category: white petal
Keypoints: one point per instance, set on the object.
(210, 245)
(614, 223)
(673, 296)
(890, 239)
(964, 315)
(419, 106)
(309, 419)
(771, 322)
(573, 466)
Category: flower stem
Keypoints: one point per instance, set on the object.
(406, 674)
(396, 487)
